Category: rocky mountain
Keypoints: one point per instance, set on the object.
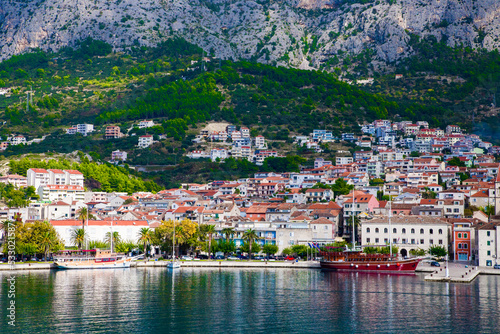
(298, 33)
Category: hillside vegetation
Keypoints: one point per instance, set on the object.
(181, 88)
(98, 177)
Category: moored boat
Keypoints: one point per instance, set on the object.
(355, 260)
(91, 259)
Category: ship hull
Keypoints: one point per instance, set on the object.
(386, 267)
(90, 265)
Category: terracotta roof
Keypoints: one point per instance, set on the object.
(322, 221)
(73, 222)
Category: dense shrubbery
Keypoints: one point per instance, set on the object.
(108, 178)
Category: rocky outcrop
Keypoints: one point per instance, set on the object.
(300, 33)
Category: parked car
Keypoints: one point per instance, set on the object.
(220, 257)
(232, 258)
(435, 264)
(496, 266)
(289, 258)
(202, 257)
(186, 258)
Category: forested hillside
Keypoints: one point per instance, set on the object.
(172, 83)
(181, 89)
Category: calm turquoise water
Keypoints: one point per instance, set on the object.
(247, 301)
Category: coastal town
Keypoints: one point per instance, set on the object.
(439, 186)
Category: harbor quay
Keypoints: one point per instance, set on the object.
(432, 274)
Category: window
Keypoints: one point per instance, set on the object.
(314, 227)
(431, 242)
(403, 241)
(326, 227)
(367, 240)
(488, 233)
(386, 230)
(487, 243)
(488, 253)
(440, 241)
(421, 231)
(394, 230)
(466, 246)
(394, 241)
(456, 210)
(465, 235)
(459, 246)
(448, 210)
(376, 230)
(460, 235)
(376, 240)
(413, 241)
(431, 231)
(403, 231)
(440, 231)
(386, 241)
(421, 241)
(367, 230)
(412, 231)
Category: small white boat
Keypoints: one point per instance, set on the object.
(173, 265)
(91, 259)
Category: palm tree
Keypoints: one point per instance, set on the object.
(46, 242)
(78, 237)
(210, 230)
(84, 214)
(145, 237)
(250, 236)
(228, 232)
(116, 239)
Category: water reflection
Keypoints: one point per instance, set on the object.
(152, 300)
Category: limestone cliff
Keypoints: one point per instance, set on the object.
(299, 33)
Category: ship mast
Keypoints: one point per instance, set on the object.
(390, 230)
(173, 245)
(353, 220)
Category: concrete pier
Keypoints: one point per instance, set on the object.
(457, 273)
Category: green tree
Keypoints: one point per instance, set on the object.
(249, 236)
(116, 239)
(78, 237)
(300, 250)
(83, 214)
(287, 251)
(489, 210)
(228, 232)
(418, 252)
(210, 230)
(340, 187)
(270, 249)
(145, 237)
(250, 248)
(438, 251)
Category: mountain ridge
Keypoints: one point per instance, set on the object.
(306, 34)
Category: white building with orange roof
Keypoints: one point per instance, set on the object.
(37, 177)
(97, 229)
(14, 179)
(481, 198)
(63, 192)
